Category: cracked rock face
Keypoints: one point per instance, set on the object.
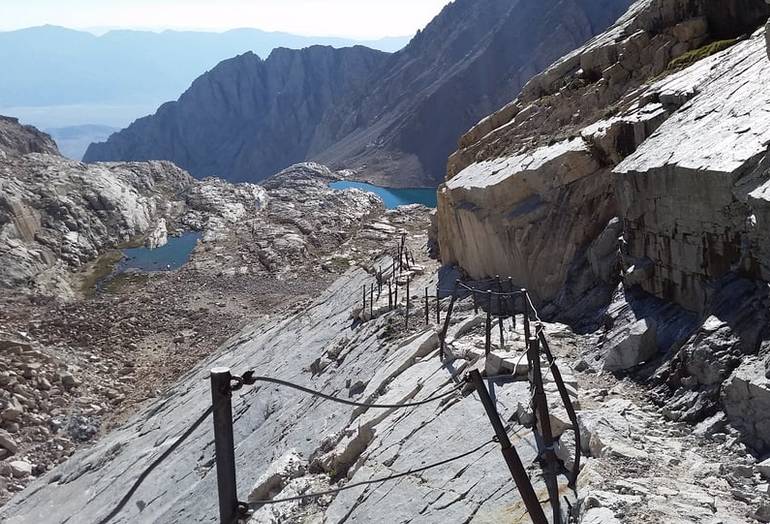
(290, 443)
(679, 160)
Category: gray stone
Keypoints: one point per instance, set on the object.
(746, 401)
(20, 468)
(764, 468)
(630, 346)
(6, 442)
(599, 516)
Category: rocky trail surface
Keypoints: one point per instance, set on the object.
(637, 468)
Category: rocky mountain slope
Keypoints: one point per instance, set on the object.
(639, 160)
(356, 108)
(77, 360)
(16, 139)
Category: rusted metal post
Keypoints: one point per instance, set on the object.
(438, 306)
(407, 301)
(448, 318)
(500, 310)
(512, 300)
(395, 293)
(427, 308)
(512, 459)
(488, 328)
(567, 401)
(541, 405)
(224, 444)
(527, 332)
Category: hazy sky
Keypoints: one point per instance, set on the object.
(353, 18)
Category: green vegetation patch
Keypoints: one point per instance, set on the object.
(99, 269)
(689, 58)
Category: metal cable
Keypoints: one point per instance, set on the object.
(372, 481)
(313, 392)
(155, 463)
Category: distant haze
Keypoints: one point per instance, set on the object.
(358, 19)
(55, 77)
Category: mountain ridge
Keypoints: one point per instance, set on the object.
(398, 132)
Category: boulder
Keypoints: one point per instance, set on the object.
(746, 401)
(764, 468)
(158, 237)
(630, 346)
(20, 469)
(6, 442)
(599, 516)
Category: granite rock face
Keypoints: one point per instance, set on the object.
(357, 108)
(597, 136)
(16, 139)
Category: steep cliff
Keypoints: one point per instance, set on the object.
(641, 159)
(247, 118)
(534, 184)
(357, 108)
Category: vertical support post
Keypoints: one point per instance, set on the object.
(512, 459)
(390, 296)
(527, 332)
(408, 282)
(427, 308)
(438, 306)
(512, 300)
(379, 282)
(500, 310)
(475, 302)
(371, 301)
(488, 328)
(363, 308)
(224, 445)
(447, 318)
(395, 293)
(567, 401)
(541, 405)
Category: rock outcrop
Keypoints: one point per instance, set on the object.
(357, 108)
(57, 214)
(16, 139)
(659, 127)
(534, 184)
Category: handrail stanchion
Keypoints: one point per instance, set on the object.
(224, 444)
(447, 318)
(488, 326)
(541, 406)
(512, 459)
(500, 310)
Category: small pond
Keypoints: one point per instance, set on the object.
(166, 258)
(393, 197)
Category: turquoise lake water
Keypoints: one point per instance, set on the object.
(169, 257)
(393, 197)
